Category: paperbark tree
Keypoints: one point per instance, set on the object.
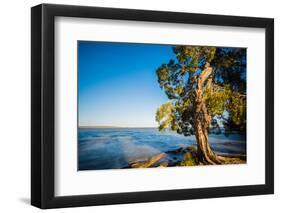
(207, 91)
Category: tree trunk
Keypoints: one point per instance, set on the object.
(202, 121)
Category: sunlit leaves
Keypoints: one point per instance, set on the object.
(194, 56)
(215, 98)
(236, 108)
(163, 74)
(165, 116)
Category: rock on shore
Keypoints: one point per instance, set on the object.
(183, 156)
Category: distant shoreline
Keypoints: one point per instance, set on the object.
(140, 127)
(115, 127)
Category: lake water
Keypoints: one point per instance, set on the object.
(114, 148)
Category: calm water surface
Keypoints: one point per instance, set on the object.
(113, 148)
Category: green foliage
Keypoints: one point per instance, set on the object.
(188, 162)
(223, 93)
(168, 73)
(216, 99)
(165, 116)
(192, 56)
(189, 159)
(236, 108)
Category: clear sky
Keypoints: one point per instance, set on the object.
(117, 83)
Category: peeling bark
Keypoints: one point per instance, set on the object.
(202, 121)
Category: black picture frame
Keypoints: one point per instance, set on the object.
(43, 102)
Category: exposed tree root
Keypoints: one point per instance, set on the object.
(231, 159)
(215, 159)
(219, 159)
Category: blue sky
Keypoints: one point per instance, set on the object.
(117, 83)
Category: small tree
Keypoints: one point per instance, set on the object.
(207, 91)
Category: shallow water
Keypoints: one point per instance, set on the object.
(114, 148)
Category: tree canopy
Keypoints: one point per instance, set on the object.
(222, 72)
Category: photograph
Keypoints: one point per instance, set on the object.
(160, 105)
(133, 105)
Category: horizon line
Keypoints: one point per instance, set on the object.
(108, 126)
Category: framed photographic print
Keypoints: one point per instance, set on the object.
(140, 106)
